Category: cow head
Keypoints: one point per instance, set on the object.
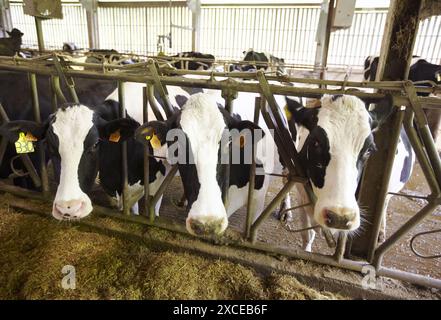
(251, 55)
(72, 136)
(196, 137)
(335, 141)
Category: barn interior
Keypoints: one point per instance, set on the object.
(325, 45)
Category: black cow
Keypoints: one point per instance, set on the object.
(11, 46)
(420, 70)
(254, 56)
(193, 65)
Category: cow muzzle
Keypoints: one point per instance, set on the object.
(206, 228)
(340, 218)
(71, 209)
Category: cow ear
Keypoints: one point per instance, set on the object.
(33, 130)
(297, 113)
(153, 133)
(181, 100)
(117, 130)
(379, 110)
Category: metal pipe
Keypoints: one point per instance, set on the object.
(124, 178)
(213, 84)
(419, 152)
(327, 39)
(252, 173)
(54, 101)
(152, 102)
(381, 200)
(40, 145)
(164, 184)
(39, 29)
(403, 230)
(160, 88)
(57, 88)
(424, 131)
(147, 207)
(269, 209)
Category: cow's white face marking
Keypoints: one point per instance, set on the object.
(346, 123)
(204, 125)
(71, 126)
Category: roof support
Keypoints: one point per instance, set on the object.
(5, 18)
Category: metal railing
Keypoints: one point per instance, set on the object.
(286, 31)
(403, 95)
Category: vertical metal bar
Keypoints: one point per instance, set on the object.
(125, 179)
(57, 89)
(39, 29)
(324, 61)
(148, 209)
(93, 25)
(54, 100)
(378, 218)
(252, 174)
(5, 16)
(40, 145)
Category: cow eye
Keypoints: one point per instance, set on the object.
(319, 165)
(368, 152)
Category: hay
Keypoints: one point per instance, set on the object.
(289, 288)
(33, 251)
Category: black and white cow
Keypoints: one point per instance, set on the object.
(334, 142)
(251, 55)
(193, 65)
(200, 128)
(15, 97)
(420, 70)
(78, 139)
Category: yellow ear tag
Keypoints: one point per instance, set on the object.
(155, 142)
(22, 145)
(114, 137)
(438, 77)
(288, 113)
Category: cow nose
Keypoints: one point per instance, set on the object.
(69, 209)
(339, 218)
(210, 227)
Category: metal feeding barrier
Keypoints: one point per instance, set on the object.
(403, 93)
